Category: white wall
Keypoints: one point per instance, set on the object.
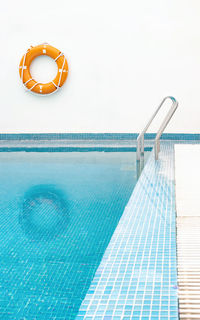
(123, 56)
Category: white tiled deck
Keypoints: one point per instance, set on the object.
(187, 174)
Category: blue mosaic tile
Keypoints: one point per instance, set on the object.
(58, 212)
(70, 149)
(136, 278)
(138, 270)
(95, 136)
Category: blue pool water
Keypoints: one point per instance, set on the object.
(58, 212)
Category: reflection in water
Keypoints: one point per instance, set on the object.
(140, 165)
(44, 212)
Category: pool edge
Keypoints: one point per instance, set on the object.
(154, 190)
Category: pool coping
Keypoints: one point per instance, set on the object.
(187, 175)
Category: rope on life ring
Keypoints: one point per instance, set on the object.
(43, 88)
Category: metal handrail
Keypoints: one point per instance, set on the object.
(140, 139)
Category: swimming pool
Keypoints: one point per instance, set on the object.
(137, 276)
(58, 212)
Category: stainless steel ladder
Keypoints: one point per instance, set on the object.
(140, 139)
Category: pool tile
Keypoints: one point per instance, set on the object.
(141, 256)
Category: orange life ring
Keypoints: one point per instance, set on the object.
(43, 88)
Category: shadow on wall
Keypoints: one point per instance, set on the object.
(44, 215)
